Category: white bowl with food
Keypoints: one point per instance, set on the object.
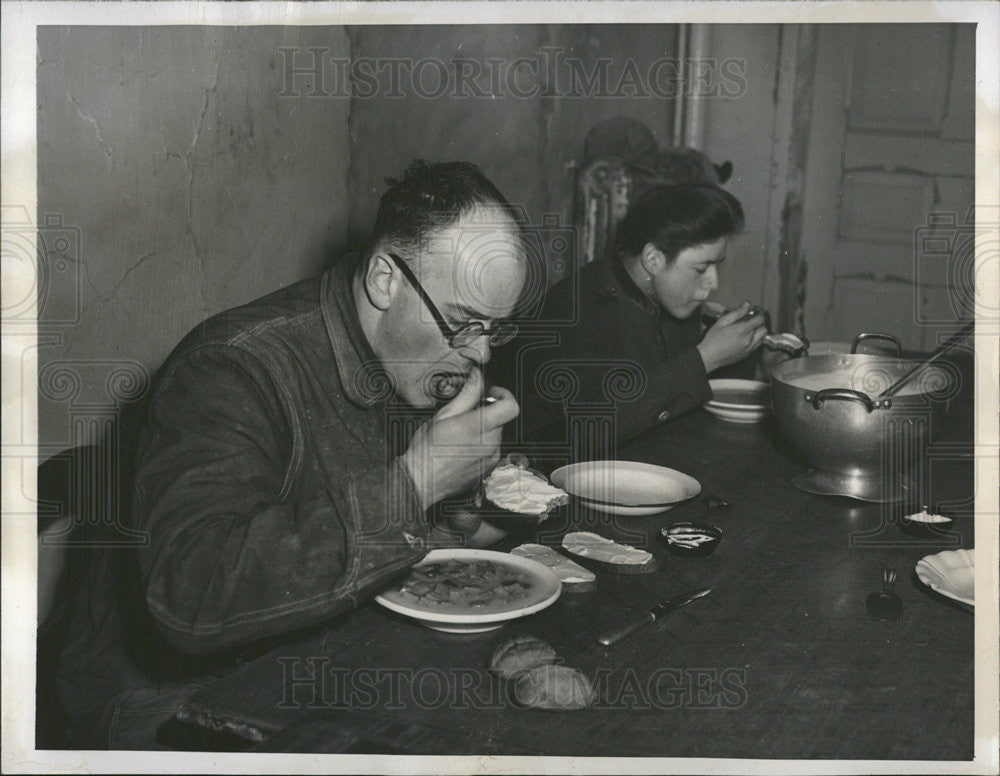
(739, 401)
(626, 488)
(472, 591)
(951, 573)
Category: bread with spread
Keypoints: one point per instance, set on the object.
(517, 489)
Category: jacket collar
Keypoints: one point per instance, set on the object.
(362, 378)
(611, 280)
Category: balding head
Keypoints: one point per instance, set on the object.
(471, 266)
(430, 196)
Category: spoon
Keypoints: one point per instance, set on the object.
(884, 604)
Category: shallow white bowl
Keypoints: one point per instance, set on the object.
(739, 401)
(545, 590)
(951, 573)
(626, 487)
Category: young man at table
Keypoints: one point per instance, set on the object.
(630, 339)
(291, 449)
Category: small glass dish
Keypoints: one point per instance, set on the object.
(926, 524)
(691, 539)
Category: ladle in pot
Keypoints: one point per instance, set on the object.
(947, 345)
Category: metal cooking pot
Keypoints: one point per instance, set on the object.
(856, 444)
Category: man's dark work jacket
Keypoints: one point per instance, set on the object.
(269, 495)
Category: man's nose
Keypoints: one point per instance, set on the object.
(711, 278)
(477, 351)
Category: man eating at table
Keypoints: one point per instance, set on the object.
(291, 450)
(626, 338)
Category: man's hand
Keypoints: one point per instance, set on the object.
(733, 337)
(461, 443)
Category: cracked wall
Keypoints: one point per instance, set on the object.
(191, 185)
(197, 178)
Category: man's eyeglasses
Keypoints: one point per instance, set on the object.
(500, 334)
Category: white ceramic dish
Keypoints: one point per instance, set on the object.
(545, 590)
(950, 573)
(626, 487)
(739, 401)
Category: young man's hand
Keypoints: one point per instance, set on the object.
(733, 337)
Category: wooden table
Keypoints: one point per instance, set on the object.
(782, 660)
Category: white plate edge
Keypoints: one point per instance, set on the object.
(473, 619)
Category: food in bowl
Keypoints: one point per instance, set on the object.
(518, 489)
(867, 381)
(463, 585)
(692, 538)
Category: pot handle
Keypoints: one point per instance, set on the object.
(876, 335)
(846, 394)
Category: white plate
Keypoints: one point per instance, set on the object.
(739, 401)
(545, 590)
(626, 487)
(951, 573)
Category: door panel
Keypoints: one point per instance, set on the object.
(880, 206)
(928, 154)
(896, 77)
(890, 162)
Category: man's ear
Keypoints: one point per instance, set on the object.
(381, 281)
(652, 259)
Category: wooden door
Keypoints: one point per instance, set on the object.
(889, 182)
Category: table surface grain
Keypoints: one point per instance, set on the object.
(781, 660)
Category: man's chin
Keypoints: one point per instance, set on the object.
(685, 312)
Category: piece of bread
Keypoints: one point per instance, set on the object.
(558, 688)
(574, 577)
(521, 653)
(518, 489)
(608, 554)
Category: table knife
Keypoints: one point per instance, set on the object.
(671, 605)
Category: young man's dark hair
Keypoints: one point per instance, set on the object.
(677, 217)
